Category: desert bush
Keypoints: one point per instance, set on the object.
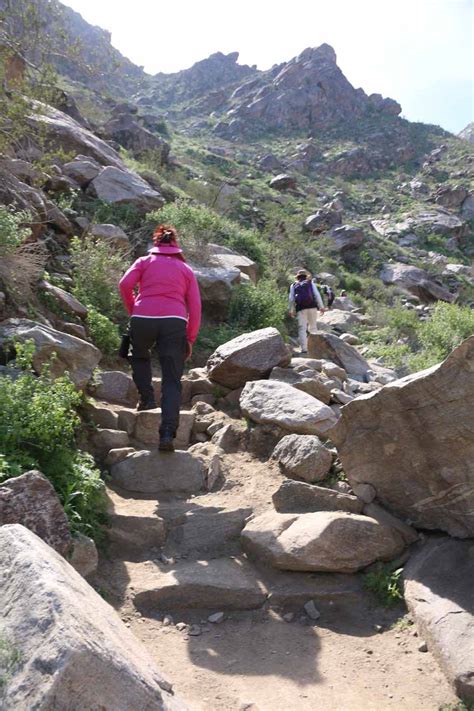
(103, 332)
(253, 307)
(38, 425)
(449, 325)
(97, 271)
(198, 226)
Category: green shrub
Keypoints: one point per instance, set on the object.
(211, 337)
(385, 584)
(198, 226)
(125, 216)
(253, 307)
(38, 426)
(12, 230)
(449, 325)
(97, 271)
(103, 332)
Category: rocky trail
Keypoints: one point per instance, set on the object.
(233, 633)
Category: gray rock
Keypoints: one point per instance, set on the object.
(216, 285)
(416, 281)
(299, 497)
(282, 182)
(66, 301)
(275, 403)
(82, 170)
(340, 320)
(417, 449)
(303, 457)
(111, 234)
(116, 386)
(325, 541)
(248, 357)
(73, 649)
(332, 348)
(122, 187)
(78, 357)
(439, 594)
(208, 533)
(226, 258)
(311, 610)
(346, 237)
(148, 422)
(84, 557)
(158, 472)
(31, 501)
(103, 440)
(309, 381)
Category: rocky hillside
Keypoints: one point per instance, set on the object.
(304, 484)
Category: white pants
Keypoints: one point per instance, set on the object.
(307, 321)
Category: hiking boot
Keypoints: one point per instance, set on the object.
(146, 405)
(166, 441)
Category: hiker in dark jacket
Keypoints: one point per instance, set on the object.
(326, 291)
(304, 302)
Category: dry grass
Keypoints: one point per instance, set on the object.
(21, 269)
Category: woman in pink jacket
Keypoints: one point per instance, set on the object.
(166, 312)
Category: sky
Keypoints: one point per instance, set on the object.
(419, 52)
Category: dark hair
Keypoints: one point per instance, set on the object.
(164, 234)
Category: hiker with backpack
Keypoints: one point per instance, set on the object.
(326, 290)
(304, 302)
(165, 312)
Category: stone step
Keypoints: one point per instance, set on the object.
(207, 532)
(135, 526)
(222, 584)
(142, 426)
(154, 472)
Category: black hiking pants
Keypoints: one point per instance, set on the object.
(169, 336)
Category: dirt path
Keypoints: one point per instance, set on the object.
(356, 656)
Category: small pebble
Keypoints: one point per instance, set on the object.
(311, 610)
(378, 628)
(423, 647)
(181, 626)
(167, 620)
(216, 618)
(289, 617)
(195, 631)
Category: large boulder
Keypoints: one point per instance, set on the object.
(248, 357)
(303, 457)
(69, 649)
(282, 182)
(275, 403)
(416, 281)
(73, 355)
(325, 541)
(66, 133)
(439, 594)
(226, 258)
(332, 348)
(64, 300)
(216, 285)
(31, 501)
(346, 237)
(412, 441)
(437, 221)
(123, 187)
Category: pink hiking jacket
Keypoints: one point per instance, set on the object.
(167, 287)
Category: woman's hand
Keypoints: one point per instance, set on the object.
(189, 351)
